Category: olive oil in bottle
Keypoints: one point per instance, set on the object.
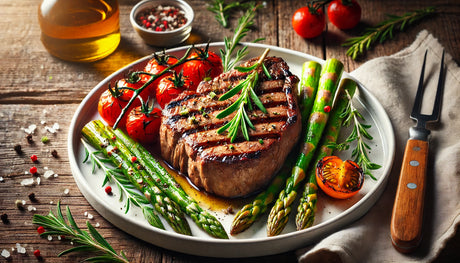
(80, 30)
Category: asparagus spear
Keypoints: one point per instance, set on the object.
(308, 86)
(330, 76)
(307, 207)
(170, 187)
(117, 152)
(251, 212)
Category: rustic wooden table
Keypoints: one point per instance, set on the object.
(36, 87)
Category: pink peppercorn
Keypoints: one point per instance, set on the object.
(33, 170)
(41, 230)
(133, 159)
(34, 158)
(108, 190)
(37, 253)
(327, 109)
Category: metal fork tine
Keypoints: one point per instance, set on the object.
(439, 92)
(419, 95)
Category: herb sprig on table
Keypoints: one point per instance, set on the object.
(384, 31)
(89, 242)
(223, 10)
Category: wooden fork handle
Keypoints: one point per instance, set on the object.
(406, 219)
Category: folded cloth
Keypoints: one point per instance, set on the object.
(393, 80)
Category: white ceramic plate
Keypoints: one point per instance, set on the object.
(331, 215)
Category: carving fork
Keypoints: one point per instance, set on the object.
(406, 219)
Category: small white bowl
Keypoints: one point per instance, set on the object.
(163, 38)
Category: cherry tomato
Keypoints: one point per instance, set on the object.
(148, 92)
(308, 23)
(344, 14)
(170, 87)
(143, 123)
(339, 179)
(111, 103)
(157, 64)
(198, 70)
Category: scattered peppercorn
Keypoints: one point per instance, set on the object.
(54, 153)
(34, 158)
(161, 18)
(108, 190)
(32, 197)
(20, 204)
(40, 230)
(327, 108)
(29, 138)
(133, 159)
(4, 218)
(37, 253)
(18, 149)
(33, 170)
(45, 139)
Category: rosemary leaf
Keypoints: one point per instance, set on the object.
(383, 31)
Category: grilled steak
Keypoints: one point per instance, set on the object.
(190, 142)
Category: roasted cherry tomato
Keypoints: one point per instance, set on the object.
(143, 123)
(158, 63)
(148, 92)
(208, 67)
(344, 14)
(308, 22)
(339, 179)
(170, 87)
(111, 103)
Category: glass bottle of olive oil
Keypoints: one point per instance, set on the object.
(80, 30)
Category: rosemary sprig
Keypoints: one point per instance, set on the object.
(383, 31)
(244, 25)
(359, 134)
(125, 187)
(90, 242)
(247, 94)
(223, 10)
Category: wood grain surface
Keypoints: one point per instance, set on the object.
(36, 88)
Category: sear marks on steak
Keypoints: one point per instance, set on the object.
(190, 142)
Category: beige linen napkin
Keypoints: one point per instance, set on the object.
(393, 80)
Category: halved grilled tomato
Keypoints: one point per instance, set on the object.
(339, 179)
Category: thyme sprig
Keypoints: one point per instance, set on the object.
(246, 88)
(359, 134)
(90, 242)
(125, 187)
(383, 31)
(223, 10)
(244, 25)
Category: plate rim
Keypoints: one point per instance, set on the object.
(344, 218)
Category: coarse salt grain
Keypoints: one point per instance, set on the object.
(49, 237)
(97, 225)
(48, 174)
(31, 208)
(90, 216)
(27, 182)
(38, 180)
(30, 129)
(1, 179)
(5, 253)
(85, 213)
(66, 191)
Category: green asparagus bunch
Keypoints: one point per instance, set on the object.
(166, 183)
(330, 76)
(120, 156)
(307, 207)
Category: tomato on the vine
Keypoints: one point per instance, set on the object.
(204, 68)
(148, 92)
(339, 179)
(111, 103)
(143, 123)
(344, 14)
(170, 87)
(157, 64)
(308, 22)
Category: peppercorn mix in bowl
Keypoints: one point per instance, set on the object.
(162, 23)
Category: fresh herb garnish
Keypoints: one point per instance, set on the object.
(383, 31)
(223, 10)
(126, 188)
(359, 134)
(244, 25)
(246, 88)
(90, 242)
